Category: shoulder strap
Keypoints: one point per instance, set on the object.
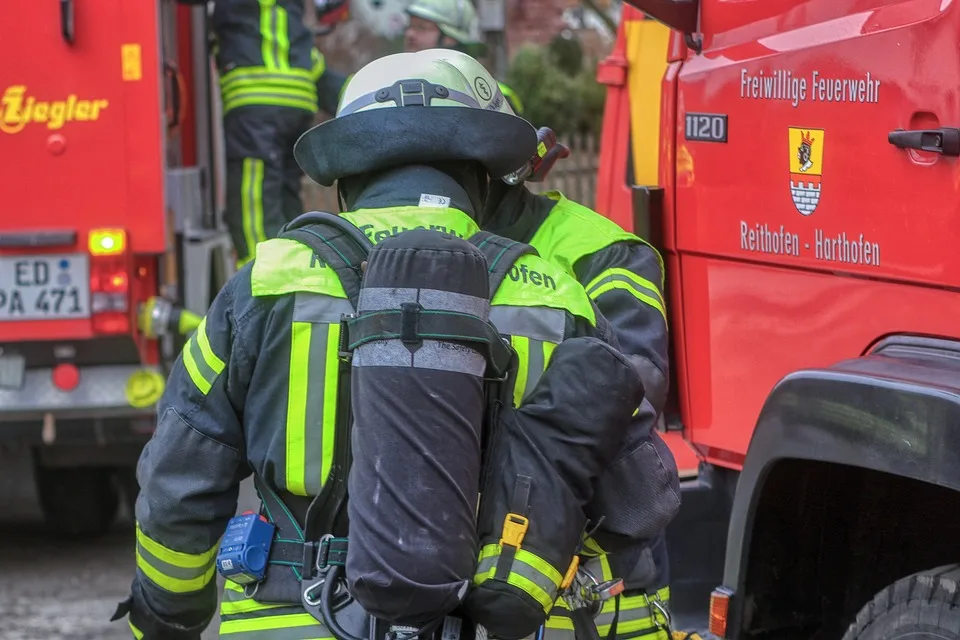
(336, 241)
(500, 253)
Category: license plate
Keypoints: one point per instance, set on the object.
(11, 371)
(47, 287)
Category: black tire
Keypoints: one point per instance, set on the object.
(924, 606)
(78, 503)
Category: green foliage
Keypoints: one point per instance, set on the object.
(558, 87)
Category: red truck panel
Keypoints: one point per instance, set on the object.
(81, 125)
(805, 236)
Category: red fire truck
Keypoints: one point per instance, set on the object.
(797, 163)
(110, 191)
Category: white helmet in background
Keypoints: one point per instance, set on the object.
(455, 18)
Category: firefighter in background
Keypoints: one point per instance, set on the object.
(271, 78)
(234, 402)
(624, 276)
(449, 24)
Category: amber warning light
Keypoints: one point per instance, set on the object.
(719, 607)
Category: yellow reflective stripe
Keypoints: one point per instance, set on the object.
(541, 565)
(247, 206)
(626, 274)
(314, 369)
(548, 348)
(136, 632)
(283, 39)
(559, 620)
(298, 383)
(330, 381)
(193, 370)
(272, 100)
(618, 278)
(268, 37)
(619, 284)
(209, 356)
(627, 619)
(521, 345)
(202, 364)
(174, 571)
(594, 548)
(235, 601)
(265, 74)
(290, 88)
(524, 562)
(267, 623)
(287, 266)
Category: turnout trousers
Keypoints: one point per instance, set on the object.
(263, 178)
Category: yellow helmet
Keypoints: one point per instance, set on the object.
(415, 108)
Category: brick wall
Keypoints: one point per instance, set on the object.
(534, 21)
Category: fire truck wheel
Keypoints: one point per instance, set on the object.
(78, 502)
(924, 606)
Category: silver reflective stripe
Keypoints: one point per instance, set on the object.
(530, 573)
(486, 564)
(557, 626)
(539, 323)
(535, 366)
(379, 298)
(432, 354)
(558, 634)
(316, 307)
(170, 570)
(270, 611)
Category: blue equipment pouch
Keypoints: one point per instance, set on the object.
(245, 548)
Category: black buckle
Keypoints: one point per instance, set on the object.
(309, 555)
(343, 349)
(410, 323)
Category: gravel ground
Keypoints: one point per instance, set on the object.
(52, 589)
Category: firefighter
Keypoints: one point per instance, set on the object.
(450, 24)
(624, 276)
(254, 392)
(271, 79)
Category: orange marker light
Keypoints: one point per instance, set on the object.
(719, 607)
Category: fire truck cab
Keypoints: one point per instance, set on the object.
(110, 187)
(797, 163)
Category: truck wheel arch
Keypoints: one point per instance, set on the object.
(843, 464)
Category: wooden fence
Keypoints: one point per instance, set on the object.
(575, 176)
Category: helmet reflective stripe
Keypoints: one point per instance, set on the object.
(455, 18)
(410, 93)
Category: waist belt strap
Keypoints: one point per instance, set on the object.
(412, 324)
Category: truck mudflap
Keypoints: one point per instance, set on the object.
(100, 391)
(895, 411)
